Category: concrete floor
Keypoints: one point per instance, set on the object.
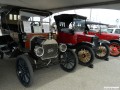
(104, 74)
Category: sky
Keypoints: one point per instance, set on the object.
(106, 16)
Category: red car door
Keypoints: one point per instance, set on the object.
(66, 38)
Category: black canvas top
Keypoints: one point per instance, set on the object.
(17, 9)
(68, 17)
(95, 23)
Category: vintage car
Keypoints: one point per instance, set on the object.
(26, 36)
(70, 32)
(101, 30)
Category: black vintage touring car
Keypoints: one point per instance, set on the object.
(26, 36)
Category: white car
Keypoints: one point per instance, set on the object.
(114, 30)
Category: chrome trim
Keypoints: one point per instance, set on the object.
(50, 57)
(36, 49)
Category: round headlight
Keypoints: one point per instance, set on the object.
(39, 51)
(63, 47)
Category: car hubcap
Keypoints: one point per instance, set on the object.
(114, 49)
(84, 55)
(101, 51)
(23, 72)
(67, 60)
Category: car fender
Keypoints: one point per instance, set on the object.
(85, 43)
(104, 41)
(115, 41)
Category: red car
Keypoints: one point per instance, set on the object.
(69, 32)
(100, 30)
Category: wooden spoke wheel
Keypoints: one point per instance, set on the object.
(114, 49)
(85, 55)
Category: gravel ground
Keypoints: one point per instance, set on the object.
(104, 74)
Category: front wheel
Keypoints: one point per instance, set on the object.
(68, 60)
(114, 49)
(102, 51)
(24, 70)
(85, 55)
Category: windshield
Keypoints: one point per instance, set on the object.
(78, 25)
(117, 31)
(103, 28)
(33, 23)
(97, 28)
(94, 28)
(110, 30)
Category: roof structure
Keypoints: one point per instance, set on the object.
(61, 5)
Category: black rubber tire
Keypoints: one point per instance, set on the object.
(91, 52)
(23, 65)
(107, 52)
(68, 57)
(117, 54)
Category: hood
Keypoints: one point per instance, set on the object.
(113, 34)
(82, 33)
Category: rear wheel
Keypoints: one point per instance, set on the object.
(24, 70)
(85, 55)
(102, 51)
(114, 49)
(68, 60)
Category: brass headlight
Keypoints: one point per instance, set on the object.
(39, 51)
(62, 47)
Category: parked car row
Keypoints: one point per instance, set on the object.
(91, 28)
(73, 32)
(25, 39)
(105, 33)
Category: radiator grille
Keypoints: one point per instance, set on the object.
(50, 51)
